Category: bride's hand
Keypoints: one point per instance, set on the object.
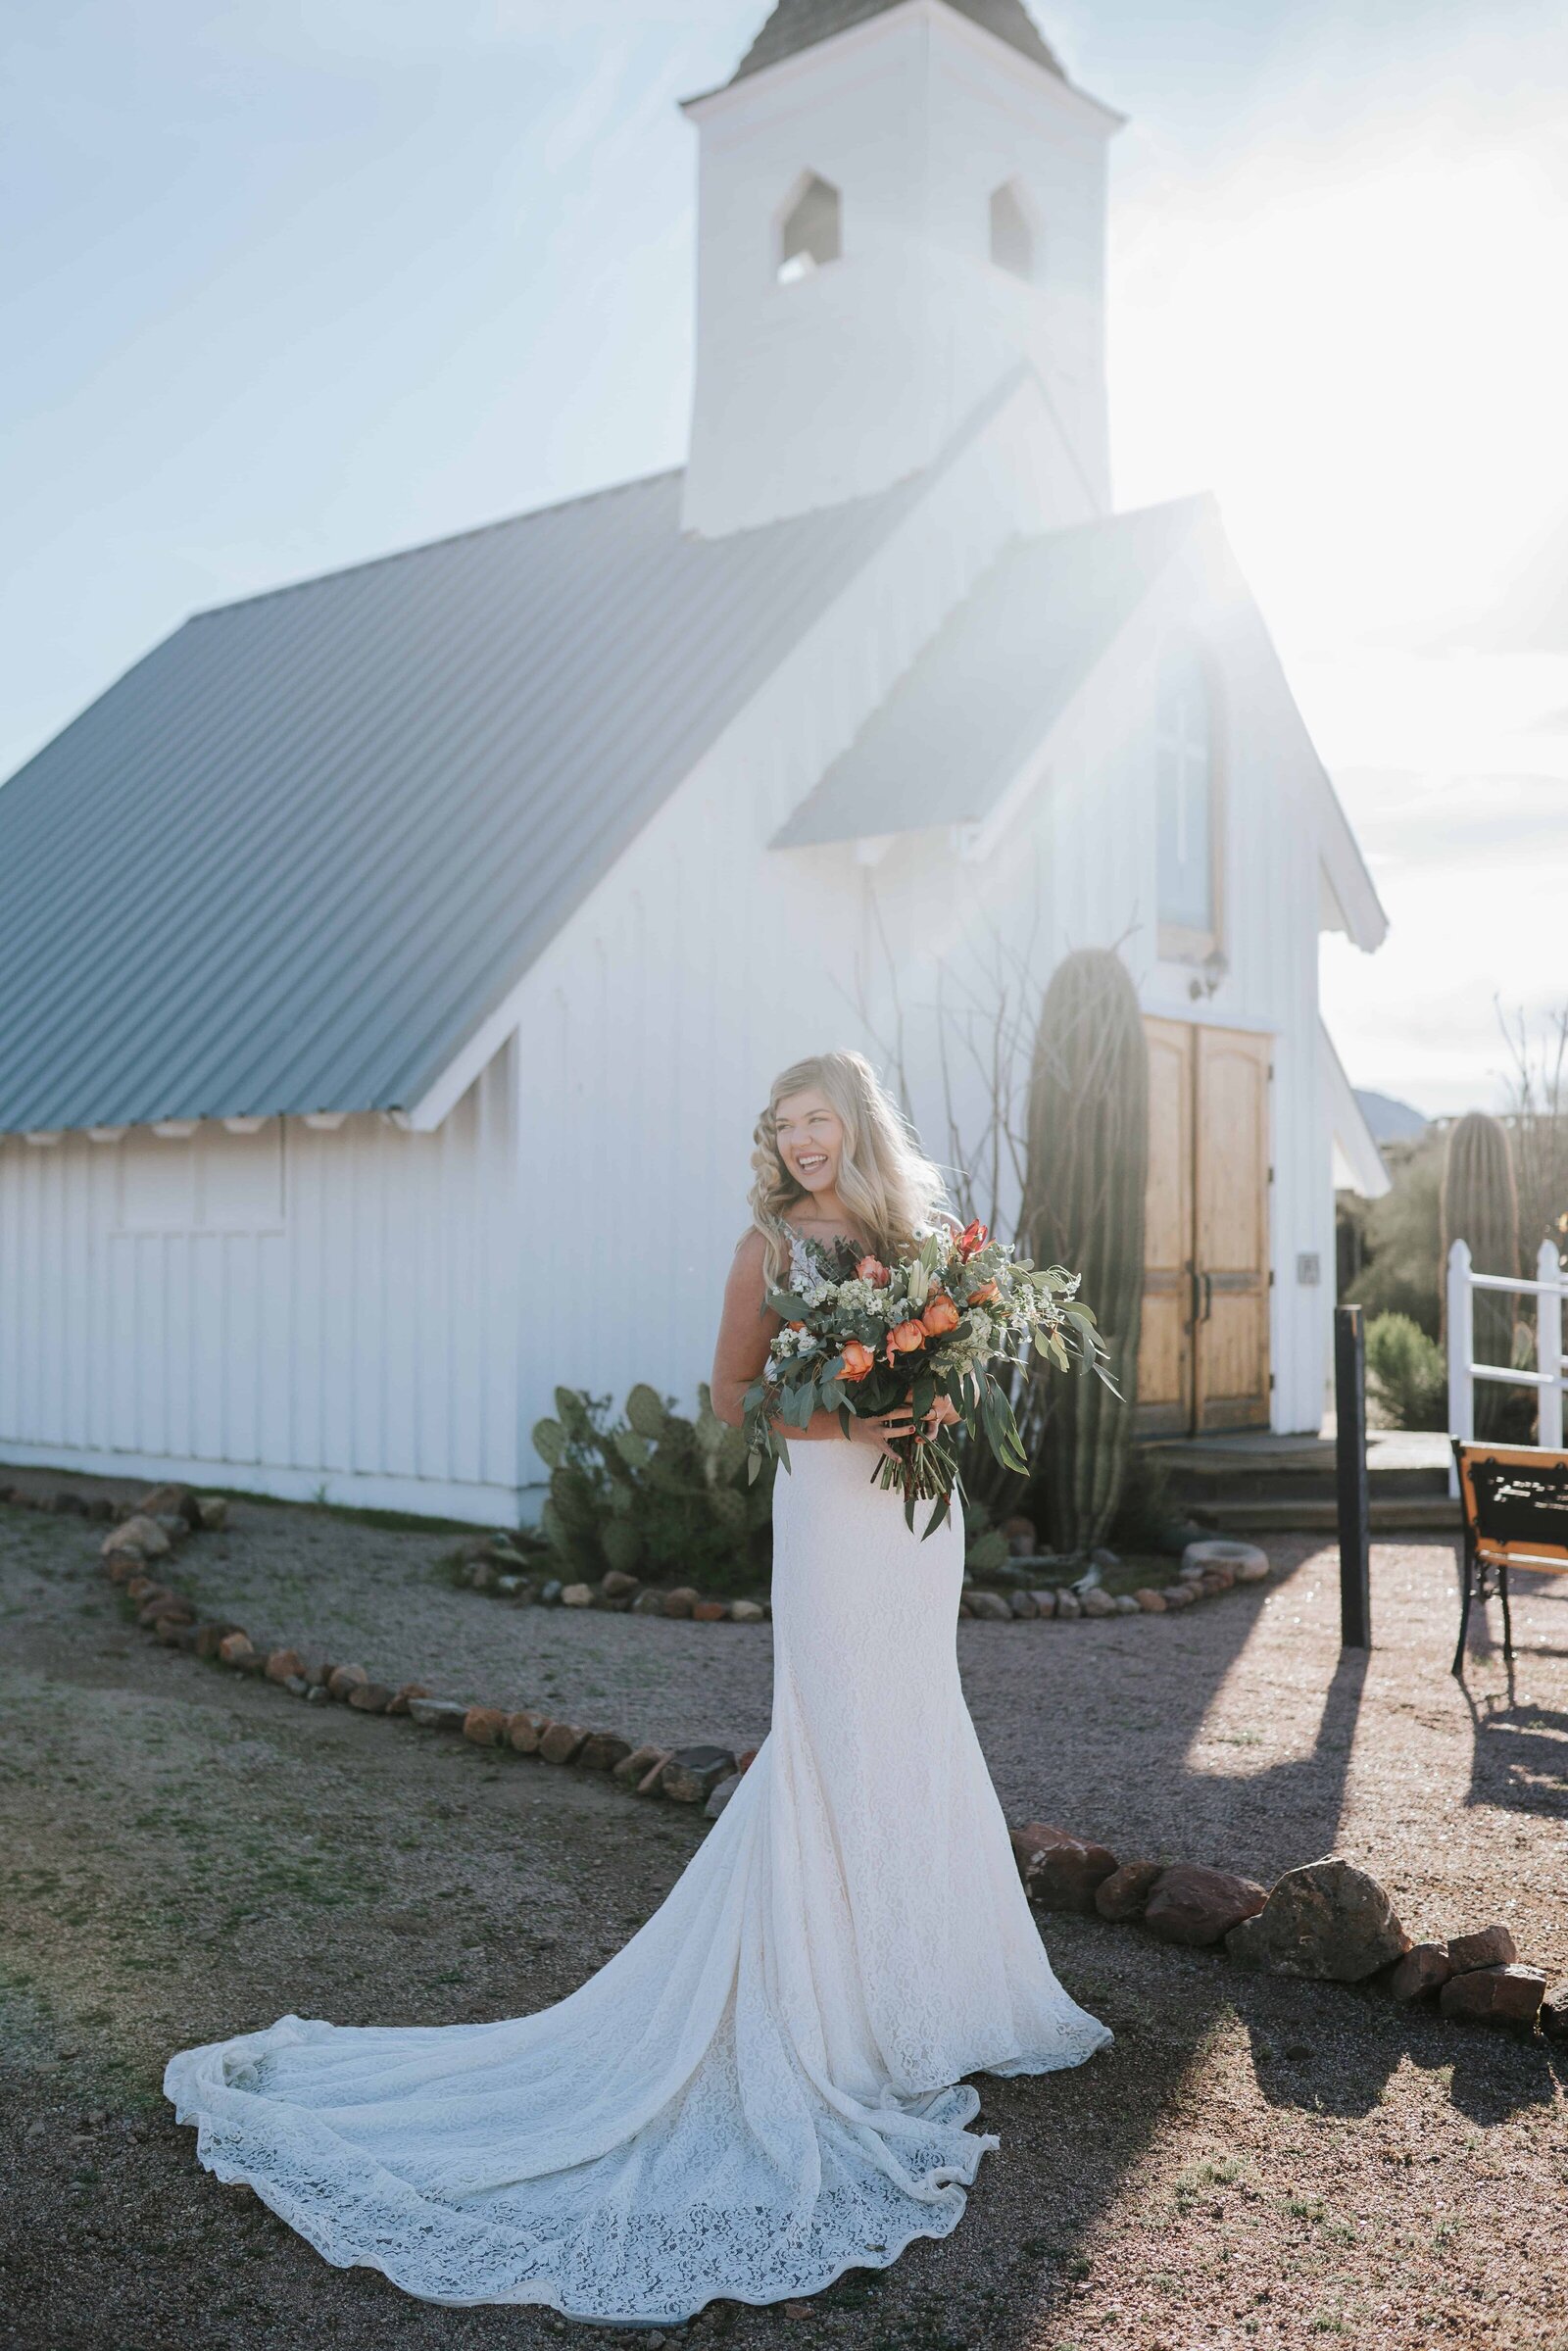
(899, 1425)
(883, 1433)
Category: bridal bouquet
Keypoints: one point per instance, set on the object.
(862, 1340)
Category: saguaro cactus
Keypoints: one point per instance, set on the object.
(1481, 1205)
(1084, 1208)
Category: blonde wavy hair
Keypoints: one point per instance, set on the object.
(890, 1188)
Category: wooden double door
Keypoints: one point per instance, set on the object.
(1203, 1355)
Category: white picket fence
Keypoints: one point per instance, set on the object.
(1548, 1290)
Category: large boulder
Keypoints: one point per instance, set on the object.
(172, 1501)
(1425, 1968)
(140, 1535)
(601, 1750)
(1123, 1894)
(1190, 1904)
(1494, 1995)
(1240, 1562)
(1328, 1919)
(438, 1714)
(692, 1774)
(485, 1725)
(990, 1608)
(1062, 1871)
(1489, 1947)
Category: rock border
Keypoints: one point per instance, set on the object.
(493, 1564)
(1327, 1921)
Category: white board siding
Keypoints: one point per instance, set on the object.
(297, 1309)
(653, 1023)
(1076, 867)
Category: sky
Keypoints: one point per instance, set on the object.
(288, 286)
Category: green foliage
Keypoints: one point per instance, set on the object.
(653, 1495)
(1403, 1237)
(1088, 1170)
(1407, 1373)
(987, 1553)
(1481, 1205)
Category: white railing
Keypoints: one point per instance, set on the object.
(1548, 1290)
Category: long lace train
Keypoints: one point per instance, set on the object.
(764, 2087)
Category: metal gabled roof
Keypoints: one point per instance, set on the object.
(294, 858)
(956, 730)
(797, 25)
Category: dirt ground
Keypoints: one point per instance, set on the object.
(185, 1855)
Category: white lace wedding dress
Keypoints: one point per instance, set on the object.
(764, 2088)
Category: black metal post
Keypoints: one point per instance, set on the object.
(1355, 1508)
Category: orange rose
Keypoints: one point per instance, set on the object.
(941, 1315)
(872, 1269)
(905, 1339)
(795, 1326)
(858, 1361)
(984, 1294)
(972, 1239)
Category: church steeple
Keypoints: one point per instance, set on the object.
(797, 25)
(900, 202)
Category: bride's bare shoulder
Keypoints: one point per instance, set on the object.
(749, 1265)
(746, 1288)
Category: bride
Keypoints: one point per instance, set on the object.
(765, 2086)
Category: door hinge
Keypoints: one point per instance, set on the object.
(1271, 1383)
(1271, 1175)
(1271, 1277)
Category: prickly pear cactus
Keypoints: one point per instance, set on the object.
(656, 1494)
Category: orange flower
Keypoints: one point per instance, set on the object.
(984, 1294)
(872, 1269)
(941, 1315)
(858, 1360)
(973, 1238)
(905, 1339)
(795, 1326)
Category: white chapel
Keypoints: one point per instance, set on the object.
(507, 869)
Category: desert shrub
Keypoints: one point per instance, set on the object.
(1407, 1373)
(1401, 1236)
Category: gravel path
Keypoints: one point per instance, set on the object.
(1234, 1734)
(184, 1854)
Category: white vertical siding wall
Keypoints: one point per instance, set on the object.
(289, 1311)
(650, 1027)
(1076, 867)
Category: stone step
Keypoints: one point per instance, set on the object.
(1412, 1514)
(1284, 1482)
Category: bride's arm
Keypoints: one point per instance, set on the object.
(745, 1330)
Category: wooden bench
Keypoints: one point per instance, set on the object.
(1515, 1504)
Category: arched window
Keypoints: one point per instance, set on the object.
(1013, 240)
(811, 234)
(1187, 802)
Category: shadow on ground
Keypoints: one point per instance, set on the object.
(1253, 2162)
